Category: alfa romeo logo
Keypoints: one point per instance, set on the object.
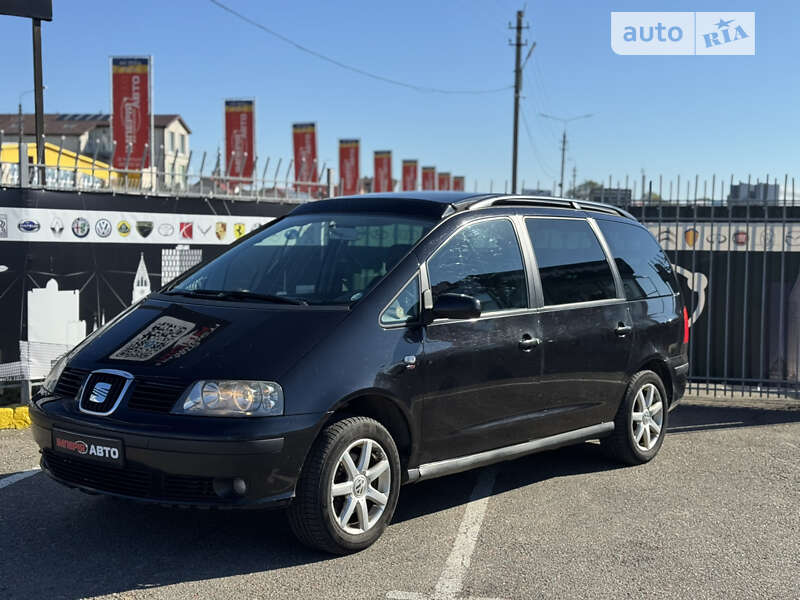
(80, 227)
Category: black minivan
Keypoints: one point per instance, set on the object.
(365, 342)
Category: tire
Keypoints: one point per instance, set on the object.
(639, 434)
(316, 514)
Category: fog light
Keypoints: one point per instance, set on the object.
(239, 486)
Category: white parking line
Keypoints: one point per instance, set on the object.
(452, 578)
(11, 479)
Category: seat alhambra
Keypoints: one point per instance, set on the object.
(362, 343)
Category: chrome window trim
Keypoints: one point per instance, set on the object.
(124, 374)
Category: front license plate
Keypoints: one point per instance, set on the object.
(89, 447)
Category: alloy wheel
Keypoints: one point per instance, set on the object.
(360, 486)
(647, 417)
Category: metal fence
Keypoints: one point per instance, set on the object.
(737, 255)
(87, 174)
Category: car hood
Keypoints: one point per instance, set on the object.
(191, 339)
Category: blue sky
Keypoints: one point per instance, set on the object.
(667, 115)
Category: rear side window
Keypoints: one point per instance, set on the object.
(642, 265)
(482, 260)
(572, 264)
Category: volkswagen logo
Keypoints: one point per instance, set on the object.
(103, 228)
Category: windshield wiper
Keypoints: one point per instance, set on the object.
(237, 295)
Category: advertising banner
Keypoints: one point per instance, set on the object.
(131, 121)
(240, 145)
(458, 183)
(304, 138)
(348, 166)
(444, 181)
(428, 178)
(383, 171)
(409, 175)
(19, 224)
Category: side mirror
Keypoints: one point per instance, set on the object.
(456, 306)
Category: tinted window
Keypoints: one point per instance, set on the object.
(645, 271)
(482, 260)
(572, 265)
(404, 308)
(319, 258)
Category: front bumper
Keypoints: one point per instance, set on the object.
(186, 465)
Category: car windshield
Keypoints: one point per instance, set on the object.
(309, 259)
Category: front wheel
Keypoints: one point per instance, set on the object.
(641, 421)
(348, 490)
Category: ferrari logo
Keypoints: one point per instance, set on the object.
(221, 229)
(239, 230)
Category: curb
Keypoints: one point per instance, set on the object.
(14, 417)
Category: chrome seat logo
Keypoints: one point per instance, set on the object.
(100, 392)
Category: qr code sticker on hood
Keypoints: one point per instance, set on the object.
(153, 339)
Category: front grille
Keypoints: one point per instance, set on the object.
(69, 384)
(102, 383)
(157, 395)
(134, 480)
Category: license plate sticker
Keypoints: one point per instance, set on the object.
(89, 447)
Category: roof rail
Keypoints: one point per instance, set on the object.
(551, 202)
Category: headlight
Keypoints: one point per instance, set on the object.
(49, 383)
(232, 398)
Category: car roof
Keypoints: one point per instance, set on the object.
(438, 205)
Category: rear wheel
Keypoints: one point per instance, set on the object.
(641, 421)
(348, 490)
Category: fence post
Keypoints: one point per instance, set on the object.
(23, 164)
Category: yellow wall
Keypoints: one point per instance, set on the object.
(10, 154)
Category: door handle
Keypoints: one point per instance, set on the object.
(528, 343)
(622, 330)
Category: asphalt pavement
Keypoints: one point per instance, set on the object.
(715, 515)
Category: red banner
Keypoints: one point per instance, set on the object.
(130, 109)
(428, 178)
(240, 145)
(458, 183)
(304, 137)
(348, 166)
(444, 181)
(382, 181)
(409, 175)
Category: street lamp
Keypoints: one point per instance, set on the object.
(564, 121)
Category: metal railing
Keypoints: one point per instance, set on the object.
(88, 174)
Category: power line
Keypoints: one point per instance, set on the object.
(540, 161)
(357, 70)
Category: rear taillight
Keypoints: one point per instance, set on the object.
(685, 326)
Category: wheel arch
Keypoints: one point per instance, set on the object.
(659, 366)
(388, 411)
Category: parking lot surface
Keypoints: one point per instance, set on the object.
(715, 515)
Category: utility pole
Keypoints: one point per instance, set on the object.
(38, 95)
(517, 89)
(574, 176)
(564, 121)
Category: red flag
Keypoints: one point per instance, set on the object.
(458, 183)
(130, 107)
(444, 181)
(409, 175)
(304, 136)
(382, 180)
(348, 166)
(428, 178)
(240, 147)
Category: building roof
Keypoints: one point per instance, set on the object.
(71, 123)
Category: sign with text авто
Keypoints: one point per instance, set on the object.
(240, 145)
(382, 181)
(304, 138)
(131, 119)
(348, 166)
